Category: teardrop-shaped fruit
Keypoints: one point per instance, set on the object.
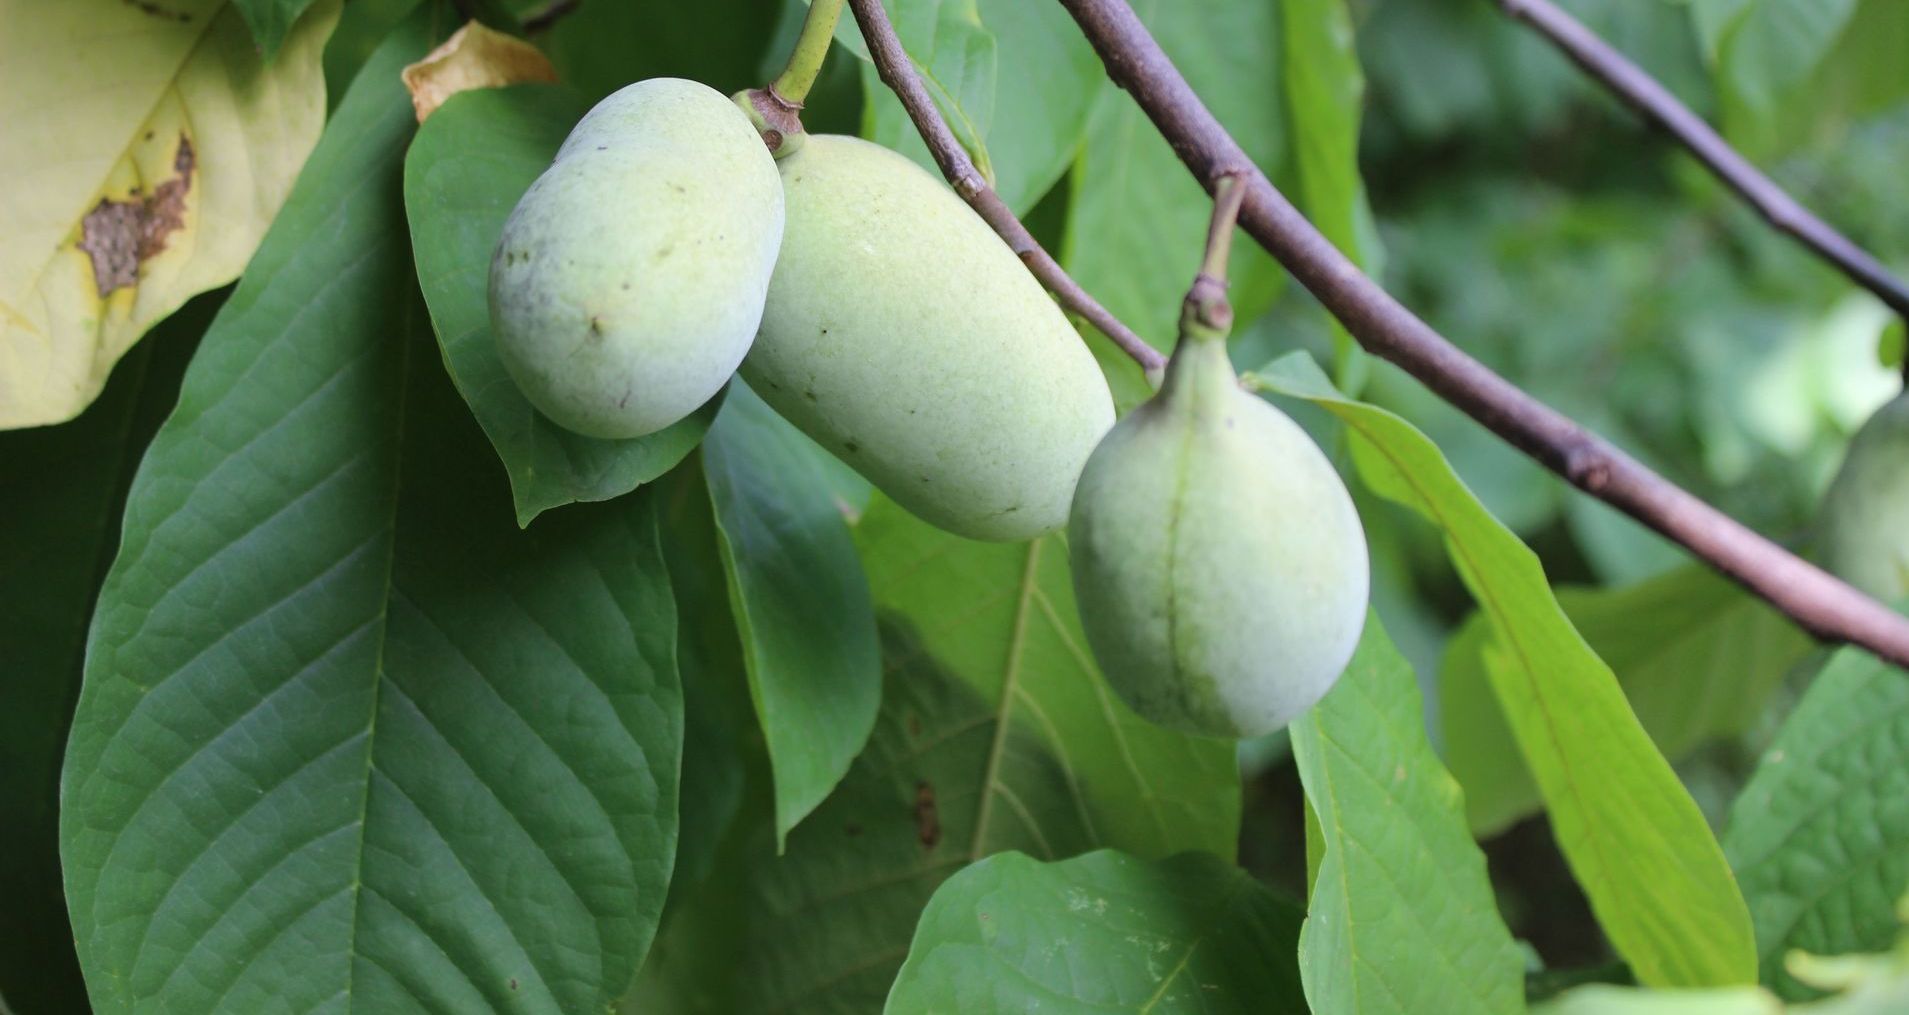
(1865, 514)
(906, 338)
(1219, 564)
(629, 281)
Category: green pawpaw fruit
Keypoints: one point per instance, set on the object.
(1865, 513)
(1218, 561)
(904, 336)
(630, 278)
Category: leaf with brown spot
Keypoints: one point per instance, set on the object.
(138, 176)
(473, 57)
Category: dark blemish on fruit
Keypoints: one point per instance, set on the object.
(666, 251)
(603, 147)
(119, 236)
(596, 327)
(513, 983)
(927, 821)
(851, 447)
(810, 395)
(679, 188)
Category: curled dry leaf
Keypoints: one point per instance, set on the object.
(473, 57)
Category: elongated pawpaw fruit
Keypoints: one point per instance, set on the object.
(1865, 514)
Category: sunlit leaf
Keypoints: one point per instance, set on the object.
(1635, 840)
(145, 147)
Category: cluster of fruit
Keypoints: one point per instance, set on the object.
(1219, 563)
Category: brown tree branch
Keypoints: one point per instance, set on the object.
(1656, 104)
(1810, 596)
(549, 14)
(899, 74)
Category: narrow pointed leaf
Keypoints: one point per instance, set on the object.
(470, 163)
(799, 597)
(1401, 916)
(1634, 838)
(348, 740)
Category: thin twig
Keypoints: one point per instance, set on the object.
(1655, 103)
(900, 76)
(549, 14)
(1810, 596)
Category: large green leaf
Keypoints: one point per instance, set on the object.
(799, 597)
(1102, 932)
(1401, 916)
(347, 738)
(1325, 92)
(470, 163)
(61, 491)
(1820, 836)
(1697, 657)
(1015, 81)
(1635, 840)
(1138, 219)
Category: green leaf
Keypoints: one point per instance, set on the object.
(1102, 932)
(603, 45)
(470, 163)
(1820, 836)
(270, 20)
(61, 492)
(347, 737)
(994, 735)
(1696, 655)
(1000, 617)
(1402, 916)
(1015, 81)
(1762, 53)
(1635, 840)
(1325, 93)
(1138, 220)
(799, 597)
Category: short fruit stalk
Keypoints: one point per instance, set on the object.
(1218, 561)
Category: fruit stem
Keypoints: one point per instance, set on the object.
(1206, 313)
(811, 48)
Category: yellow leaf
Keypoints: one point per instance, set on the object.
(473, 57)
(144, 148)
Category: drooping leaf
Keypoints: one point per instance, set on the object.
(1138, 220)
(347, 737)
(470, 163)
(799, 597)
(1819, 837)
(1102, 932)
(145, 147)
(1696, 655)
(1325, 92)
(1633, 837)
(475, 56)
(1401, 916)
(1015, 81)
(61, 490)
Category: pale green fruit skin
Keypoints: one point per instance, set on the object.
(904, 336)
(1865, 513)
(1218, 561)
(629, 281)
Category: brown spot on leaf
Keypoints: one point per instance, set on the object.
(927, 821)
(121, 235)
